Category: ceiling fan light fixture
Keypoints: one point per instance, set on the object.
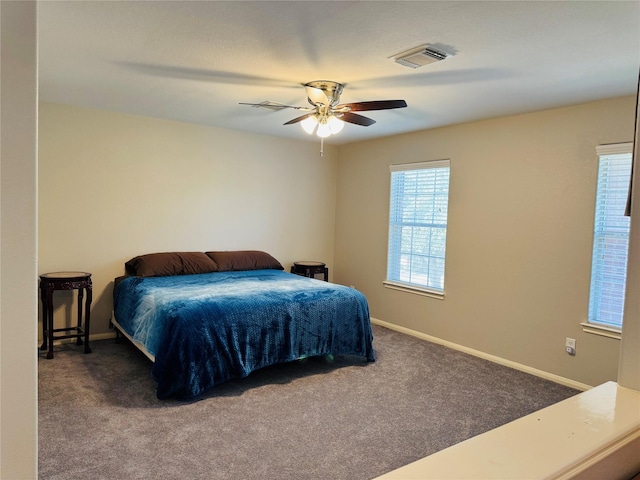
(335, 124)
(309, 124)
(323, 125)
(324, 130)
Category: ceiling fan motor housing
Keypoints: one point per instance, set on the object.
(332, 90)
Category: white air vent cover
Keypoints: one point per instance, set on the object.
(419, 56)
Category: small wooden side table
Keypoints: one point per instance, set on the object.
(49, 282)
(310, 269)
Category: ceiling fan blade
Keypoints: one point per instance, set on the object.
(273, 106)
(317, 96)
(298, 119)
(357, 119)
(373, 105)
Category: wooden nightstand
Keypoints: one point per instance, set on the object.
(310, 269)
(49, 282)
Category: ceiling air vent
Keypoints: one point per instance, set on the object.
(419, 56)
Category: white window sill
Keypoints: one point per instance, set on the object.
(406, 287)
(610, 332)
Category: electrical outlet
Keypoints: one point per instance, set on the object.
(570, 346)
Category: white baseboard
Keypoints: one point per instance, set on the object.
(102, 336)
(423, 336)
(486, 356)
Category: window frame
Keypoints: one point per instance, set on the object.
(591, 325)
(397, 284)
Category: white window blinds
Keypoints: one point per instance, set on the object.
(418, 224)
(611, 236)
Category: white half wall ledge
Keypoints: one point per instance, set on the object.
(593, 435)
(486, 356)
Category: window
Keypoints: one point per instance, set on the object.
(610, 237)
(418, 227)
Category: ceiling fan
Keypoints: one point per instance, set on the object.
(326, 116)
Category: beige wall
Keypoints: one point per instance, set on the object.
(18, 285)
(519, 239)
(113, 186)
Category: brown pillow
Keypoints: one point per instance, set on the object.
(244, 260)
(170, 263)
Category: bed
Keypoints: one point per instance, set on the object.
(206, 318)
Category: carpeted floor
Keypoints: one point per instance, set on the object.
(340, 418)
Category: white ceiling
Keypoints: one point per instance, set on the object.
(194, 61)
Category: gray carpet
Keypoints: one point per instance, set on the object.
(339, 418)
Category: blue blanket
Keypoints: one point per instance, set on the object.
(209, 328)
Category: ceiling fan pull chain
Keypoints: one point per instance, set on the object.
(321, 146)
